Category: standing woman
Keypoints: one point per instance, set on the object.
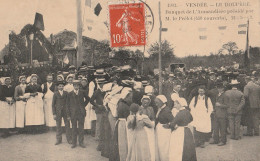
(34, 115)
(119, 144)
(147, 110)
(69, 86)
(163, 131)
(48, 89)
(7, 109)
(182, 146)
(138, 149)
(201, 109)
(20, 102)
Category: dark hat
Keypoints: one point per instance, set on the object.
(60, 82)
(72, 67)
(127, 83)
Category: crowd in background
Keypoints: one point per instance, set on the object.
(126, 114)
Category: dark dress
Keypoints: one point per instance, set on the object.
(182, 135)
(119, 140)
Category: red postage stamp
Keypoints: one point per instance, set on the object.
(127, 24)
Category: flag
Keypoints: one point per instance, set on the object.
(38, 21)
(97, 9)
(242, 32)
(222, 27)
(88, 3)
(242, 25)
(66, 59)
(203, 37)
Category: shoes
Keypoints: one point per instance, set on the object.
(213, 142)
(98, 149)
(256, 134)
(69, 141)
(73, 146)
(221, 144)
(6, 135)
(58, 142)
(82, 145)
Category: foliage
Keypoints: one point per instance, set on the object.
(230, 47)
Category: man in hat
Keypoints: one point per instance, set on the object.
(167, 89)
(212, 81)
(252, 94)
(72, 69)
(236, 102)
(59, 111)
(76, 103)
(219, 115)
(97, 102)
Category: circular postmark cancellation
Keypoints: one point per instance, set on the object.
(130, 23)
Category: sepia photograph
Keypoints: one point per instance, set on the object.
(129, 80)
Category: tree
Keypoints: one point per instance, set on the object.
(166, 50)
(229, 48)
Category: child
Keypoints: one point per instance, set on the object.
(139, 146)
(59, 112)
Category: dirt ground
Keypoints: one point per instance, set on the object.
(40, 147)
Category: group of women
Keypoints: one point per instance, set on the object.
(146, 133)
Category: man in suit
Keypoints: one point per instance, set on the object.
(59, 111)
(76, 102)
(252, 94)
(219, 114)
(236, 102)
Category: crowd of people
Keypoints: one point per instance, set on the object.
(128, 117)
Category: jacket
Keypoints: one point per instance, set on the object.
(59, 103)
(252, 93)
(236, 101)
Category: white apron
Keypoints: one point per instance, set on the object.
(176, 144)
(49, 121)
(7, 115)
(151, 141)
(20, 113)
(201, 115)
(162, 142)
(34, 114)
(90, 113)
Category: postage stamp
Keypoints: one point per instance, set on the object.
(127, 24)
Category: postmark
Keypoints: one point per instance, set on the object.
(127, 24)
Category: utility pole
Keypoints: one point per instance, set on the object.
(160, 45)
(79, 34)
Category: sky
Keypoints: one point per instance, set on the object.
(182, 35)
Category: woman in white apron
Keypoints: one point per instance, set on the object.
(7, 107)
(163, 131)
(34, 114)
(20, 103)
(48, 89)
(91, 115)
(119, 143)
(201, 109)
(147, 110)
(182, 146)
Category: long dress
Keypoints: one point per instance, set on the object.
(90, 113)
(182, 146)
(34, 114)
(119, 145)
(20, 105)
(7, 111)
(164, 116)
(201, 114)
(138, 149)
(148, 111)
(48, 89)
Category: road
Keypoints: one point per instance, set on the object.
(40, 147)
